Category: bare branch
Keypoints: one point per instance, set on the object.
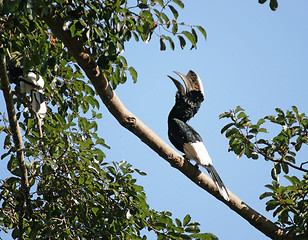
(133, 124)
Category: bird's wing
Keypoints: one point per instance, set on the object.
(180, 132)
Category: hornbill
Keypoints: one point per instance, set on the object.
(182, 135)
(30, 83)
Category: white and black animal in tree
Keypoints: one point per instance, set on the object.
(182, 135)
(30, 83)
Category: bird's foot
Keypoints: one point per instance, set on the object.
(196, 165)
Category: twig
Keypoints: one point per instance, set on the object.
(271, 158)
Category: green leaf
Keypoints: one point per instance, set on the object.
(254, 155)
(162, 44)
(73, 29)
(140, 172)
(52, 164)
(136, 36)
(248, 152)
(81, 180)
(294, 180)
(5, 155)
(202, 30)
(241, 115)
(266, 194)
(174, 27)
(274, 174)
(174, 11)
(179, 3)
(263, 130)
(273, 5)
(225, 115)
(133, 73)
(298, 143)
(182, 41)
(195, 34)
(192, 229)
(262, 1)
(161, 2)
(295, 109)
(278, 110)
(13, 167)
(285, 168)
(190, 37)
(290, 159)
(226, 127)
(238, 108)
(272, 204)
(95, 210)
(261, 121)
(186, 220)
(277, 167)
(165, 17)
(178, 222)
(231, 132)
(171, 43)
(147, 15)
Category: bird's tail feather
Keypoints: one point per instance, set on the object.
(221, 187)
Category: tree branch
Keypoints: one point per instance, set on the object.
(17, 139)
(133, 124)
(272, 159)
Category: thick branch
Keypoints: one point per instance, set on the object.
(17, 139)
(133, 124)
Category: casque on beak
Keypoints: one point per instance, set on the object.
(191, 80)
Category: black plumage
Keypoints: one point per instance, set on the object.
(186, 106)
(15, 74)
(184, 137)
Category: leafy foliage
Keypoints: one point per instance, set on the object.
(289, 203)
(281, 149)
(74, 193)
(103, 27)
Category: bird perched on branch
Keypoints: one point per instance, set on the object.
(182, 135)
(30, 83)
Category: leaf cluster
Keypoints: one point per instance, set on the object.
(74, 193)
(281, 149)
(103, 26)
(165, 228)
(289, 203)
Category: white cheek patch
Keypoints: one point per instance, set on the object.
(197, 152)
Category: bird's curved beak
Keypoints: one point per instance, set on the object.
(178, 85)
(192, 82)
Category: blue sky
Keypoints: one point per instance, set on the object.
(254, 58)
